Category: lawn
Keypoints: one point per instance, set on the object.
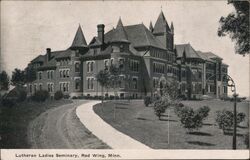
(14, 121)
(140, 123)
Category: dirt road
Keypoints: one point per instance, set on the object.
(59, 128)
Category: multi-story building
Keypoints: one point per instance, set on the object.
(144, 55)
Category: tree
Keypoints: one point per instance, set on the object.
(4, 81)
(30, 74)
(18, 77)
(103, 78)
(236, 25)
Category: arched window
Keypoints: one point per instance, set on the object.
(67, 73)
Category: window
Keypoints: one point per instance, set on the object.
(158, 67)
(40, 87)
(67, 73)
(111, 61)
(135, 84)
(64, 87)
(77, 53)
(30, 87)
(40, 75)
(95, 51)
(90, 66)
(77, 84)
(155, 82)
(48, 87)
(106, 64)
(51, 74)
(77, 67)
(61, 74)
(121, 64)
(90, 83)
(121, 48)
(134, 65)
(183, 73)
(225, 89)
(48, 73)
(122, 82)
(35, 88)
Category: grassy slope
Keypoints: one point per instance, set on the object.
(15, 120)
(140, 123)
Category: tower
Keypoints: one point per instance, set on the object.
(163, 32)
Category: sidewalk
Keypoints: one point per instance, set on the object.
(104, 131)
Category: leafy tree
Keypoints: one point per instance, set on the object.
(114, 78)
(4, 81)
(18, 77)
(30, 73)
(236, 25)
(103, 78)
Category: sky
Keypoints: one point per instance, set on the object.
(29, 27)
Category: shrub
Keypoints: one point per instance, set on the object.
(8, 102)
(40, 96)
(58, 95)
(203, 111)
(240, 117)
(178, 108)
(190, 119)
(147, 100)
(246, 140)
(66, 96)
(159, 108)
(22, 95)
(224, 119)
(111, 97)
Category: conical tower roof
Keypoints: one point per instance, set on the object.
(161, 24)
(120, 34)
(79, 40)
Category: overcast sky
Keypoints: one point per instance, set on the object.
(28, 28)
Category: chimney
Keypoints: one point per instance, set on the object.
(100, 32)
(48, 51)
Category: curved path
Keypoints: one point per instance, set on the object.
(104, 131)
(60, 128)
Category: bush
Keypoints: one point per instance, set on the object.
(178, 108)
(240, 117)
(111, 97)
(147, 101)
(8, 102)
(224, 119)
(190, 119)
(246, 140)
(203, 111)
(159, 108)
(58, 95)
(66, 96)
(22, 95)
(40, 96)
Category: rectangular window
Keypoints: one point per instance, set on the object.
(77, 67)
(158, 67)
(77, 84)
(30, 88)
(134, 65)
(121, 64)
(135, 83)
(40, 87)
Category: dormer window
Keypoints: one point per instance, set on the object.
(121, 48)
(77, 53)
(95, 51)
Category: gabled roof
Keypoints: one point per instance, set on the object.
(79, 40)
(204, 56)
(39, 58)
(63, 54)
(161, 24)
(95, 42)
(119, 34)
(138, 35)
(212, 55)
(188, 50)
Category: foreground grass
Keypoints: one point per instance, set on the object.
(14, 121)
(140, 123)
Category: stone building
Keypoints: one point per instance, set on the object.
(144, 56)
